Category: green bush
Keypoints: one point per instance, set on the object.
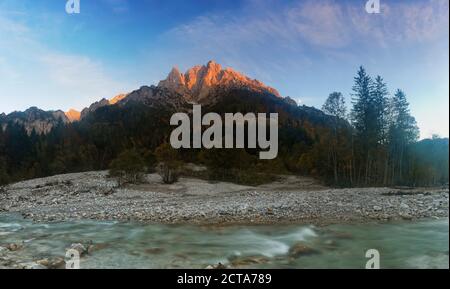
(169, 163)
(128, 167)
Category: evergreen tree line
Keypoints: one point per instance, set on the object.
(380, 147)
(374, 143)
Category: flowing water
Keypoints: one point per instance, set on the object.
(423, 244)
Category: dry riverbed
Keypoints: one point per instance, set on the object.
(91, 195)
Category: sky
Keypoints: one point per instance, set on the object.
(305, 49)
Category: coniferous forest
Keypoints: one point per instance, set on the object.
(372, 141)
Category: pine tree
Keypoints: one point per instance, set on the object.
(362, 116)
(403, 131)
(379, 102)
(380, 105)
(361, 102)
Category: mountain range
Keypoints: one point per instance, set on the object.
(89, 140)
(201, 84)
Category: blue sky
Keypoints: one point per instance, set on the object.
(305, 49)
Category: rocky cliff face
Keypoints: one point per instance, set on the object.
(35, 119)
(104, 102)
(93, 107)
(117, 98)
(73, 115)
(200, 83)
(155, 96)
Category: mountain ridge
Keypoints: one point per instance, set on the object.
(35, 119)
(201, 84)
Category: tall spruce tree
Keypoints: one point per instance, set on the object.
(403, 131)
(363, 116)
(380, 105)
(379, 102)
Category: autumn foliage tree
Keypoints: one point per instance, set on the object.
(335, 106)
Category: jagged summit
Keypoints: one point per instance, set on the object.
(73, 115)
(198, 82)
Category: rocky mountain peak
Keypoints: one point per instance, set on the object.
(117, 98)
(73, 115)
(198, 82)
(174, 81)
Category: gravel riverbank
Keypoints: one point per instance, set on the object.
(91, 195)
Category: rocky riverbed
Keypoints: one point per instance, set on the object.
(92, 195)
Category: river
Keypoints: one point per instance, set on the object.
(422, 244)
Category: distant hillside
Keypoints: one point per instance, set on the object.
(34, 119)
(433, 157)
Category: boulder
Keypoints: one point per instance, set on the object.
(44, 262)
(248, 260)
(216, 267)
(57, 263)
(300, 249)
(32, 266)
(14, 247)
(91, 248)
(330, 244)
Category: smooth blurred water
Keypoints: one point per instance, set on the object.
(423, 244)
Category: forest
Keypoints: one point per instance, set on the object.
(373, 142)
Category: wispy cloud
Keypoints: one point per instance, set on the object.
(402, 22)
(37, 75)
(80, 74)
(320, 23)
(13, 27)
(323, 24)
